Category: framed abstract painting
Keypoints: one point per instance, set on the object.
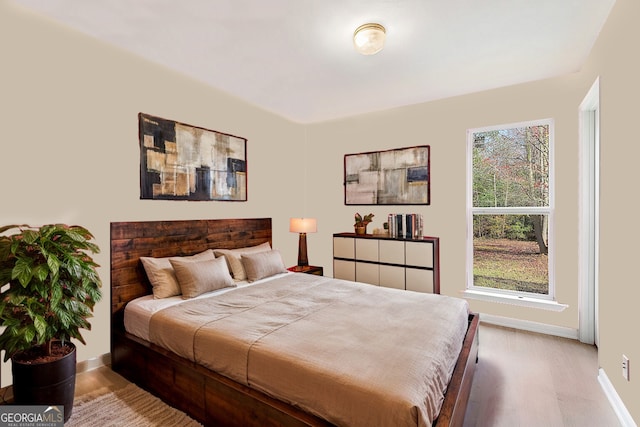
(392, 177)
(185, 162)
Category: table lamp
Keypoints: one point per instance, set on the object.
(303, 226)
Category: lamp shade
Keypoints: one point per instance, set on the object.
(368, 39)
(303, 225)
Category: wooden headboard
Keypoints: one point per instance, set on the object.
(132, 240)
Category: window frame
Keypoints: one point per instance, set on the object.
(519, 297)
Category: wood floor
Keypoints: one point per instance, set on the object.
(527, 379)
(522, 379)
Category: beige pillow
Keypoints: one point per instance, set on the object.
(233, 257)
(263, 264)
(161, 274)
(198, 277)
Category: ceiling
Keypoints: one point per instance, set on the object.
(296, 59)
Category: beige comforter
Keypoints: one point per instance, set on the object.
(354, 354)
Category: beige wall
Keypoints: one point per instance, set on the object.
(443, 126)
(70, 153)
(615, 58)
(69, 142)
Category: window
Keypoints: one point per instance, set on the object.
(510, 209)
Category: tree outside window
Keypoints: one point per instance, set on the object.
(511, 207)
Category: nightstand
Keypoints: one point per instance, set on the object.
(309, 269)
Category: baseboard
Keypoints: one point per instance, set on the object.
(96, 362)
(614, 399)
(527, 325)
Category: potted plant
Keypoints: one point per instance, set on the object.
(50, 287)
(362, 222)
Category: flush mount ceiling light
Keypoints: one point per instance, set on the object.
(368, 39)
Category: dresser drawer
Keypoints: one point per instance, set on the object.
(419, 254)
(344, 247)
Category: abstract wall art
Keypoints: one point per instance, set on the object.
(392, 177)
(184, 162)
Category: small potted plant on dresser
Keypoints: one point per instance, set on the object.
(361, 222)
(50, 287)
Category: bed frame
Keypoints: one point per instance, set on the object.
(208, 397)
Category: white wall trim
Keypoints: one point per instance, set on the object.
(526, 325)
(589, 134)
(614, 399)
(494, 295)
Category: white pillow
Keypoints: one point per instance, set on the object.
(162, 277)
(263, 264)
(200, 276)
(233, 257)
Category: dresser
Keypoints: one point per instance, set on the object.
(410, 264)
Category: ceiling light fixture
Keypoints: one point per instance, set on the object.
(368, 39)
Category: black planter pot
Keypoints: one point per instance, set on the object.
(48, 383)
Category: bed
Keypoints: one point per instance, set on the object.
(214, 396)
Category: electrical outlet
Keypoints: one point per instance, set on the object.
(625, 367)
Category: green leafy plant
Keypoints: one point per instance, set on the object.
(363, 221)
(49, 286)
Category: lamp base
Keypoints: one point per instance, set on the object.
(303, 260)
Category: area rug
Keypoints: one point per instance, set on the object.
(129, 406)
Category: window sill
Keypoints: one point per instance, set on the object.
(514, 300)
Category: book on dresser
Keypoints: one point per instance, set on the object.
(409, 226)
(409, 264)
